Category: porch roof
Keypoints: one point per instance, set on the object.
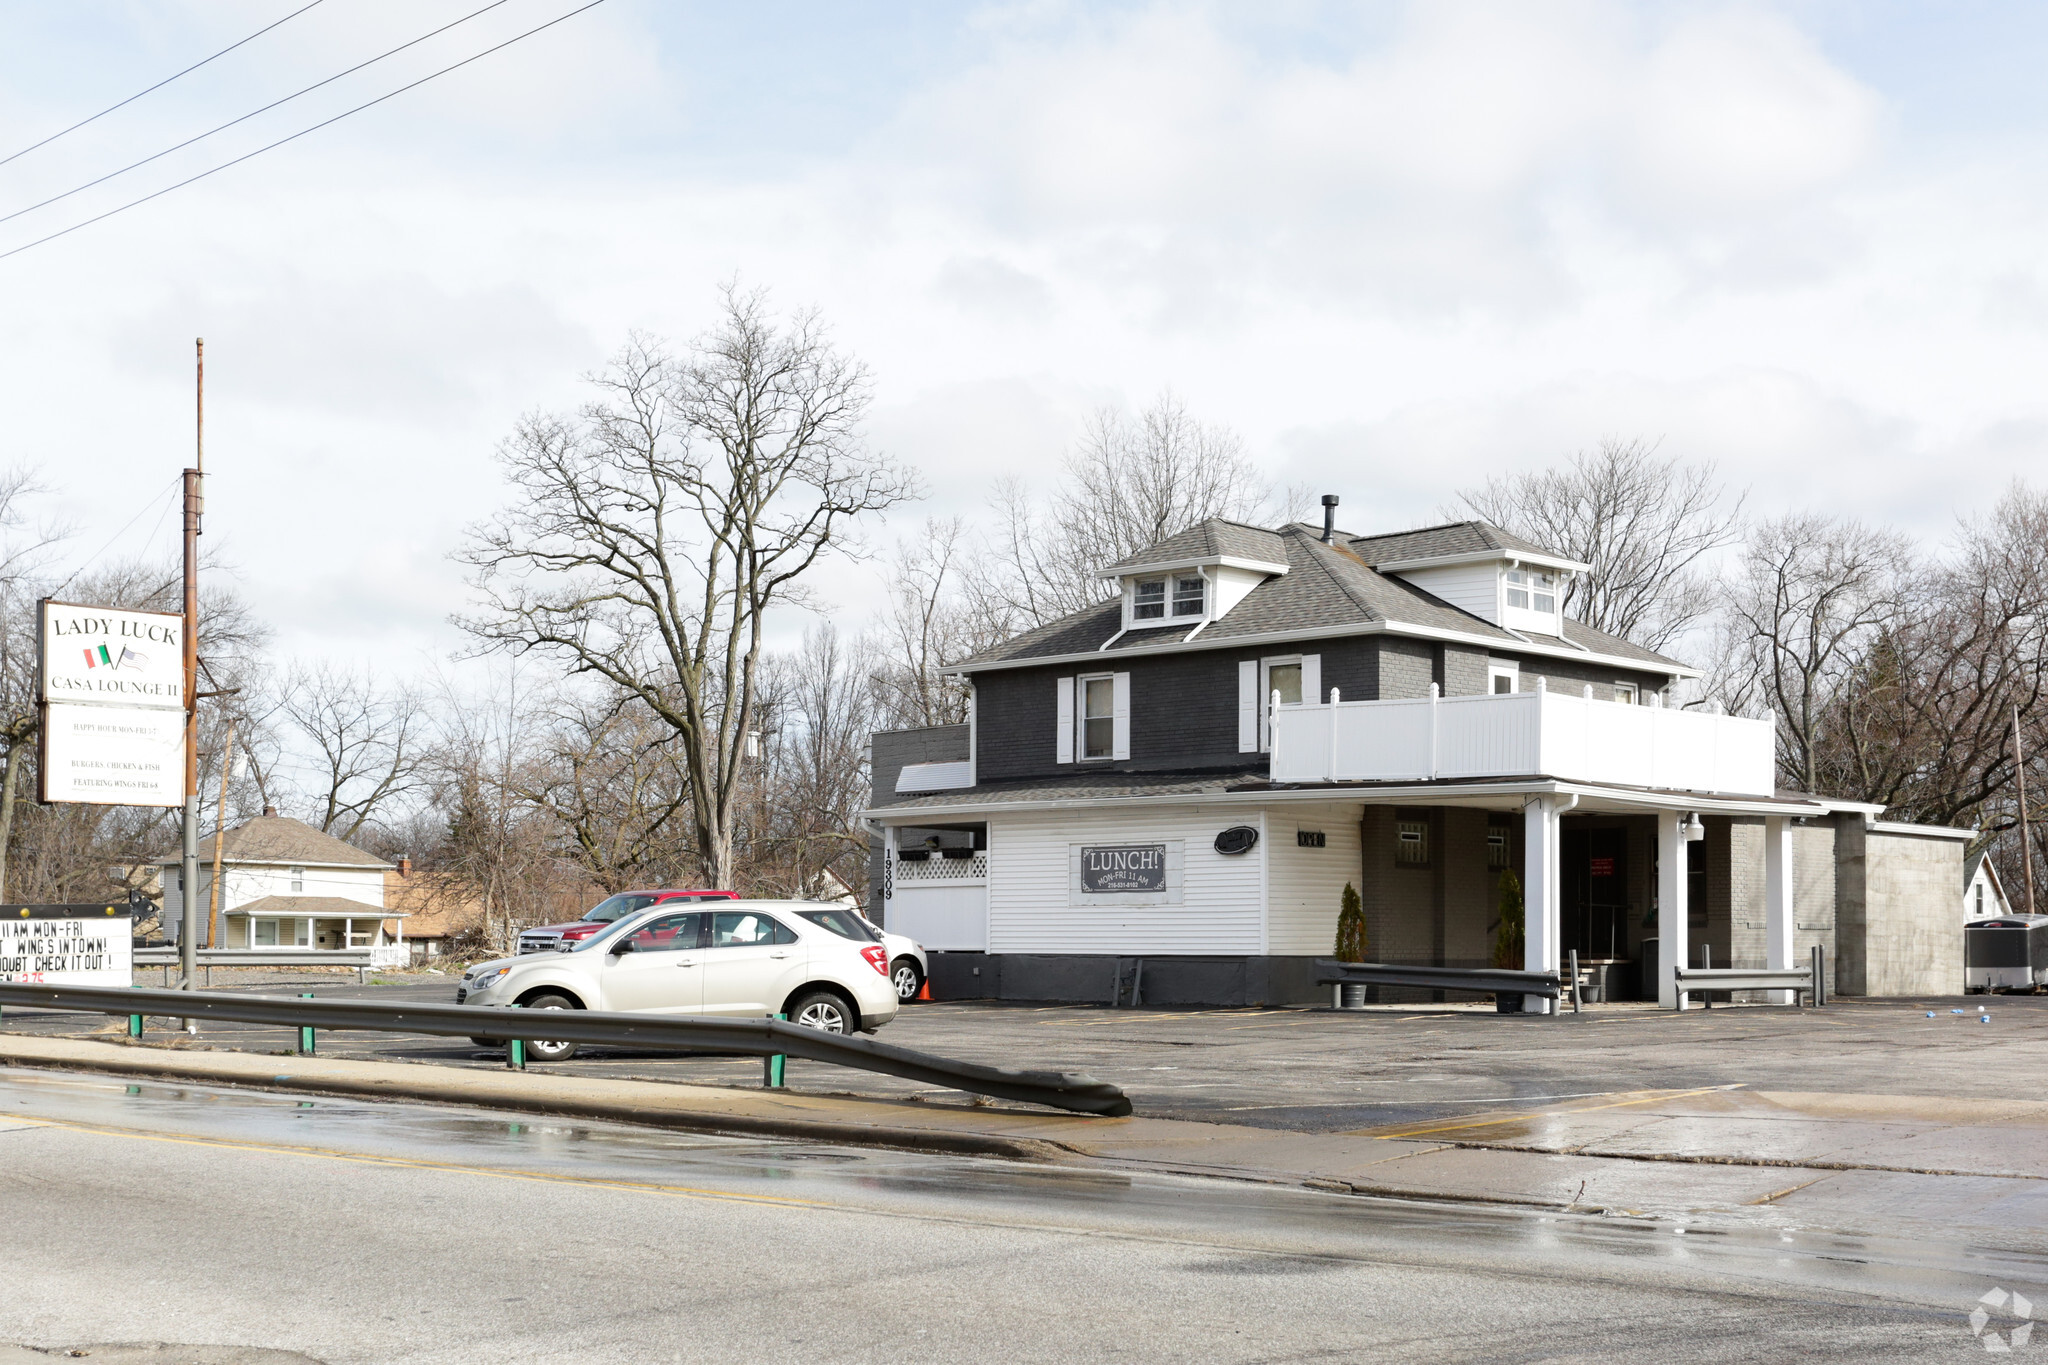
(313, 907)
(1250, 786)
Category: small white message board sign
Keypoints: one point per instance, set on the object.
(67, 945)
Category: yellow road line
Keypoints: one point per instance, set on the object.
(365, 1159)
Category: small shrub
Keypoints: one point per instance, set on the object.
(1350, 927)
(1507, 938)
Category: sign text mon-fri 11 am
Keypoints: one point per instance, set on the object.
(113, 695)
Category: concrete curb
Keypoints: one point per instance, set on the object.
(527, 1093)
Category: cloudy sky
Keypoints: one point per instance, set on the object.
(1399, 247)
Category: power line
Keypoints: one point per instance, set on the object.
(122, 532)
(133, 203)
(158, 86)
(157, 156)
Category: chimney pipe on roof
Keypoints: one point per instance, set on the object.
(1329, 518)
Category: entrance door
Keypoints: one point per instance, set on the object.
(1594, 904)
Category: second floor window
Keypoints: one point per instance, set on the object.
(1098, 717)
(298, 880)
(1532, 590)
(1149, 603)
(1189, 596)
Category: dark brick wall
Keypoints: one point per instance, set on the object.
(892, 751)
(1461, 672)
(1184, 706)
(1564, 675)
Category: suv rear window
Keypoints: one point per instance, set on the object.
(617, 907)
(844, 923)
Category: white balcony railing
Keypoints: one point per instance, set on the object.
(1519, 734)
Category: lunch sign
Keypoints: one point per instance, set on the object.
(112, 689)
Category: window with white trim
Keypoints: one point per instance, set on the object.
(1503, 675)
(1148, 600)
(1625, 693)
(298, 880)
(1190, 595)
(1097, 716)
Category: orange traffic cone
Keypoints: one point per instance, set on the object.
(924, 990)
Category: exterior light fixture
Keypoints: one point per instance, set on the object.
(1694, 830)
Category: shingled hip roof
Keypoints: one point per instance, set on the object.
(281, 839)
(1214, 539)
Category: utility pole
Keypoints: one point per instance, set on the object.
(2019, 759)
(195, 503)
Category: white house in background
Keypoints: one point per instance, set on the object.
(1983, 893)
(285, 884)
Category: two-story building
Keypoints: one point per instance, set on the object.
(284, 884)
(1187, 775)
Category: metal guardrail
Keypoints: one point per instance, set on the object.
(1812, 979)
(1483, 980)
(357, 959)
(259, 957)
(1073, 1091)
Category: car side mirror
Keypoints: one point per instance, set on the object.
(624, 945)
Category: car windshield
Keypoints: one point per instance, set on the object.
(844, 923)
(605, 911)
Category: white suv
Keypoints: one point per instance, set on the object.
(740, 959)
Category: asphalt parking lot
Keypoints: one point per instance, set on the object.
(1312, 1070)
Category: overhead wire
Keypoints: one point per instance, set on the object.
(136, 203)
(158, 86)
(140, 512)
(201, 137)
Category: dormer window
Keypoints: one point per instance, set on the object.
(1532, 590)
(1149, 601)
(1190, 596)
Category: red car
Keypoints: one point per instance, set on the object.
(551, 938)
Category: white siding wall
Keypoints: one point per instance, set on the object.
(1231, 587)
(243, 884)
(1470, 587)
(1306, 885)
(1027, 884)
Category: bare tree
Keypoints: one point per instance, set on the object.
(1129, 484)
(1645, 525)
(657, 528)
(1813, 597)
(812, 771)
(933, 621)
(362, 743)
(609, 773)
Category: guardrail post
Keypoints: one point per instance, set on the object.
(772, 1066)
(134, 1026)
(515, 1049)
(305, 1032)
(1575, 980)
(1818, 957)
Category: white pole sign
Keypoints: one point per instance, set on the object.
(126, 658)
(113, 694)
(67, 945)
(114, 756)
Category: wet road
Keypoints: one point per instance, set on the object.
(1317, 1070)
(350, 1231)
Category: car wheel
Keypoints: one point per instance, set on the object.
(821, 1010)
(540, 1049)
(907, 979)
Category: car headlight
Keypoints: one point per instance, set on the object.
(485, 980)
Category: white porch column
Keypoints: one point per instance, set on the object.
(1779, 917)
(888, 876)
(1673, 915)
(1541, 920)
